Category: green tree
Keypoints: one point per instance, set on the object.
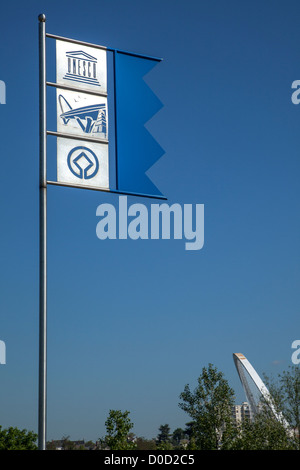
(190, 432)
(285, 399)
(118, 426)
(163, 440)
(145, 444)
(209, 406)
(287, 393)
(164, 434)
(67, 444)
(276, 425)
(16, 439)
(177, 436)
(264, 432)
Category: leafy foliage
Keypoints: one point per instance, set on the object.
(118, 426)
(145, 444)
(163, 437)
(16, 439)
(178, 436)
(285, 394)
(265, 432)
(209, 406)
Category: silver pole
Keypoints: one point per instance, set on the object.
(43, 239)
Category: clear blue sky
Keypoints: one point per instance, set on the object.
(131, 322)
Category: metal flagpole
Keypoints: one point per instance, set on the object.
(42, 405)
(43, 238)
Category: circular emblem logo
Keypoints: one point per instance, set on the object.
(83, 163)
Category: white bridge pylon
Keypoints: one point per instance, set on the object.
(255, 390)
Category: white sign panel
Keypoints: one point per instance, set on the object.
(82, 163)
(81, 66)
(82, 114)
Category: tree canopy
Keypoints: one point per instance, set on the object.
(118, 426)
(209, 406)
(210, 426)
(13, 438)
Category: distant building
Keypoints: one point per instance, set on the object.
(241, 412)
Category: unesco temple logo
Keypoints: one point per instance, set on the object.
(82, 67)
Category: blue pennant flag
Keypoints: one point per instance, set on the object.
(136, 104)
